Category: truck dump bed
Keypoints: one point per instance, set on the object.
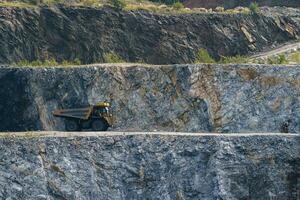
(78, 113)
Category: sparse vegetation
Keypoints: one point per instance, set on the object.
(157, 6)
(113, 58)
(294, 57)
(234, 59)
(51, 62)
(178, 5)
(91, 3)
(15, 4)
(281, 59)
(48, 2)
(203, 57)
(254, 8)
(118, 4)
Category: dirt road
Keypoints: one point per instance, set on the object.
(286, 48)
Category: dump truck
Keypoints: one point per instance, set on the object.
(95, 117)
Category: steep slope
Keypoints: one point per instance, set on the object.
(195, 98)
(67, 33)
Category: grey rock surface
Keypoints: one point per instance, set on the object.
(192, 98)
(67, 33)
(150, 166)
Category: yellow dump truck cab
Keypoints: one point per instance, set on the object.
(104, 110)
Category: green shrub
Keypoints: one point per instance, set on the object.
(254, 8)
(282, 59)
(271, 61)
(203, 56)
(178, 6)
(118, 4)
(112, 58)
(234, 59)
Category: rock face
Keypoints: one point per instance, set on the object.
(67, 33)
(156, 167)
(194, 98)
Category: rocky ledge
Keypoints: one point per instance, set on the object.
(149, 166)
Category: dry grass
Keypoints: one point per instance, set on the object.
(294, 57)
(15, 4)
(129, 5)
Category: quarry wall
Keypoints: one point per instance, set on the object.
(192, 98)
(87, 34)
(145, 165)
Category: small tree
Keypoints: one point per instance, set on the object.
(118, 4)
(203, 56)
(254, 8)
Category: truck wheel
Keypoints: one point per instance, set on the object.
(71, 125)
(99, 125)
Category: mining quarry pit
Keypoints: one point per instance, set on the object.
(182, 131)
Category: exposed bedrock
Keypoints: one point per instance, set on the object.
(194, 98)
(68, 33)
(146, 166)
